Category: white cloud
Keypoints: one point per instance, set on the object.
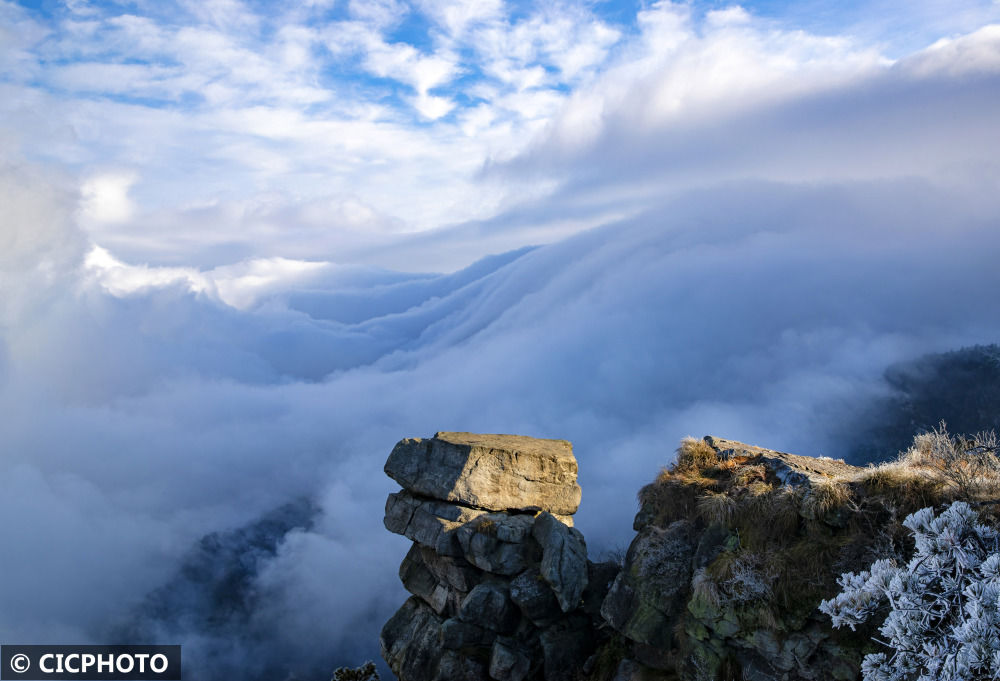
(380, 14)
(105, 197)
(976, 53)
(456, 16)
(178, 407)
(228, 14)
(745, 225)
(405, 63)
(730, 16)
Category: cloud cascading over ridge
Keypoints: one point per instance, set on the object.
(701, 220)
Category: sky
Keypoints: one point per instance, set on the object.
(246, 247)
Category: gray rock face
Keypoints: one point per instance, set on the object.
(427, 521)
(419, 580)
(411, 645)
(456, 635)
(564, 559)
(646, 596)
(410, 641)
(508, 661)
(600, 577)
(565, 647)
(498, 543)
(630, 670)
(454, 666)
(489, 606)
(535, 598)
(457, 573)
(494, 472)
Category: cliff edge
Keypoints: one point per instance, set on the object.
(735, 547)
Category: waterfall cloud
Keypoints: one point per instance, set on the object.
(744, 261)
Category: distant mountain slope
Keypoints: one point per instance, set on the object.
(212, 605)
(961, 388)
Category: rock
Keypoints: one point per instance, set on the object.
(419, 580)
(427, 521)
(489, 606)
(453, 666)
(457, 573)
(566, 645)
(535, 598)
(648, 596)
(499, 576)
(499, 543)
(411, 644)
(456, 634)
(630, 670)
(710, 545)
(791, 469)
(494, 472)
(600, 577)
(564, 559)
(508, 661)
(410, 641)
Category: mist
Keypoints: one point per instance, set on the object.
(748, 274)
(136, 425)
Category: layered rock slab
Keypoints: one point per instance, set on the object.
(492, 472)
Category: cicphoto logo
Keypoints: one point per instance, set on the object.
(93, 663)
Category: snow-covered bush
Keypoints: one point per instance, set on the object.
(943, 621)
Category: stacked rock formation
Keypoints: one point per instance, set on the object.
(498, 574)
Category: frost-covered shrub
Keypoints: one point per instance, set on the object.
(749, 580)
(943, 621)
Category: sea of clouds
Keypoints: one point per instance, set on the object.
(750, 272)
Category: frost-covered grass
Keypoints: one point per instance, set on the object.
(940, 468)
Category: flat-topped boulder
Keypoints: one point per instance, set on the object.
(492, 472)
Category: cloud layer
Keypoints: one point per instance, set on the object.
(702, 221)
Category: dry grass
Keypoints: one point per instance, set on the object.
(694, 454)
(704, 587)
(716, 508)
(905, 486)
(824, 497)
(940, 468)
(668, 499)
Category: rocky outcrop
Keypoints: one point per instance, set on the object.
(735, 546)
(500, 579)
(792, 470)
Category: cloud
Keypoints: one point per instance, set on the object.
(761, 311)
(728, 106)
(742, 225)
(105, 197)
(456, 16)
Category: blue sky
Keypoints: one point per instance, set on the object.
(245, 247)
